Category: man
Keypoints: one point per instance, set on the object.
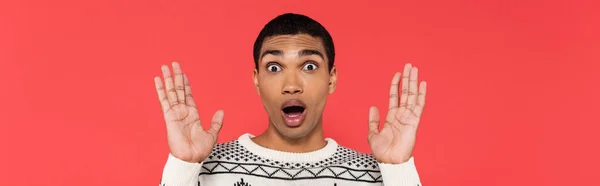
(294, 73)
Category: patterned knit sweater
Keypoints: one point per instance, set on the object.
(244, 163)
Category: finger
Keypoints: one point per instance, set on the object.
(394, 91)
(162, 97)
(216, 124)
(412, 87)
(189, 100)
(389, 118)
(179, 87)
(171, 94)
(405, 76)
(373, 121)
(421, 99)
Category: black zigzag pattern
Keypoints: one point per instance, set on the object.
(272, 172)
(345, 164)
(234, 152)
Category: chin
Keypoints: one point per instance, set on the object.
(300, 131)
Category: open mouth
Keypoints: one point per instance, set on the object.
(293, 112)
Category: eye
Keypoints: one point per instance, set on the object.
(309, 66)
(274, 68)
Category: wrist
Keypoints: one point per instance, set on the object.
(395, 160)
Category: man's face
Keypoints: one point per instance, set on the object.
(293, 81)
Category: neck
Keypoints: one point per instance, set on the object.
(273, 139)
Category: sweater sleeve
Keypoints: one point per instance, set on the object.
(180, 173)
(404, 174)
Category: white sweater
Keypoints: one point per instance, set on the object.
(244, 163)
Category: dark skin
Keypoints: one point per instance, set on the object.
(290, 67)
(293, 67)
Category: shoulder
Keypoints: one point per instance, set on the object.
(355, 160)
(228, 151)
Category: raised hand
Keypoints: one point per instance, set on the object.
(395, 142)
(186, 137)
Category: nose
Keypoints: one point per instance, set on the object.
(292, 85)
(291, 90)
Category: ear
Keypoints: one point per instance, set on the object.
(255, 78)
(332, 80)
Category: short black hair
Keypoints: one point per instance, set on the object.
(292, 24)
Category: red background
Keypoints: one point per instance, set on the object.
(512, 85)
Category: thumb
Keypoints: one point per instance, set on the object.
(373, 121)
(216, 123)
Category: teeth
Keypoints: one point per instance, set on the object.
(293, 115)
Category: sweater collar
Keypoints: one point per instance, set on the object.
(313, 156)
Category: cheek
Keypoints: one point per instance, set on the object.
(316, 84)
(269, 89)
(318, 91)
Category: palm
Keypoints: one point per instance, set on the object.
(395, 142)
(186, 137)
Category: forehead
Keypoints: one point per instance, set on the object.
(292, 42)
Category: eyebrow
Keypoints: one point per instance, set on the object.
(305, 52)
